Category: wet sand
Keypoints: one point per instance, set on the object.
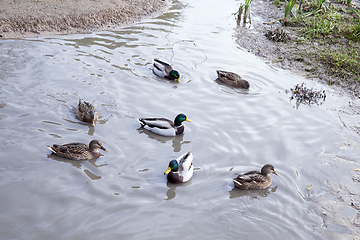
(32, 18)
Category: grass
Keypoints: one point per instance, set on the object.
(343, 64)
(244, 8)
(289, 5)
(247, 10)
(322, 25)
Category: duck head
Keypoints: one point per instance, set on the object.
(181, 118)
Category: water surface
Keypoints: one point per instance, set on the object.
(124, 194)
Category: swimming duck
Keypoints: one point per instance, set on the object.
(163, 69)
(86, 112)
(164, 126)
(232, 79)
(180, 170)
(254, 179)
(78, 151)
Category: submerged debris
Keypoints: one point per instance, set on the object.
(277, 35)
(306, 96)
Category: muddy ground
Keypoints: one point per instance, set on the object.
(292, 55)
(32, 18)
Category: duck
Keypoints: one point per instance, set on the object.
(165, 70)
(78, 150)
(232, 79)
(86, 112)
(254, 179)
(180, 170)
(164, 126)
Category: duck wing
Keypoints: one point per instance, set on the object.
(73, 148)
(228, 76)
(185, 161)
(252, 176)
(162, 66)
(85, 106)
(232, 79)
(162, 123)
(186, 168)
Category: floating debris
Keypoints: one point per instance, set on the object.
(306, 96)
(277, 35)
(309, 187)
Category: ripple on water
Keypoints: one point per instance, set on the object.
(124, 194)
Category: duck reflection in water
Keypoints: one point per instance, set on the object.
(177, 141)
(79, 164)
(255, 194)
(170, 193)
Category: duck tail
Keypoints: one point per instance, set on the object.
(51, 148)
(142, 122)
(236, 182)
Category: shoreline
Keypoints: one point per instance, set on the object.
(35, 18)
(296, 54)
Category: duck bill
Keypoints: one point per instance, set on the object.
(178, 80)
(188, 120)
(275, 173)
(93, 123)
(167, 170)
(104, 149)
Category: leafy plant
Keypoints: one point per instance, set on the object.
(289, 5)
(243, 8)
(247, 10)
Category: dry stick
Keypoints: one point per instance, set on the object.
(170, 31)
(172, 46)
(191, 41)
(273, 21)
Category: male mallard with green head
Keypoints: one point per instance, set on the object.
(232, 79)
(254, 179)
(78, 151)
(165, 70)
(86, 112)
(164, 126)
(180, 170)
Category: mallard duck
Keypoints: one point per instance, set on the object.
(86, 112)
(78, 151)
(163, 69)
(232, 79)
(180, 170)
(254, 179)
(164, 126)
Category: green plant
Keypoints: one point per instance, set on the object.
(247, 10)
(320, 26)
(277, 3)
(355, 30)
(289, 5)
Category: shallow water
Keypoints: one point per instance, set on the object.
(124, 193)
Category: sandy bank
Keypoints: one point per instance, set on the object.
(32, 18)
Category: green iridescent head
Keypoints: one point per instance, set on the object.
(175, 75)
(180, 118)
(173, 167)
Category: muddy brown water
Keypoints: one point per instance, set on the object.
(124, 194)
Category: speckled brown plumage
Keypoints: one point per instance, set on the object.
(86, 112)
(255, 179)
(232, 79)
(77, 150)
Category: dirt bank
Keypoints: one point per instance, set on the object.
(305, 56)
(32, 18)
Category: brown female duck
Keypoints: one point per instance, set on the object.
(254, 179)
(78, 151)
(232, 79)
(86, 112)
